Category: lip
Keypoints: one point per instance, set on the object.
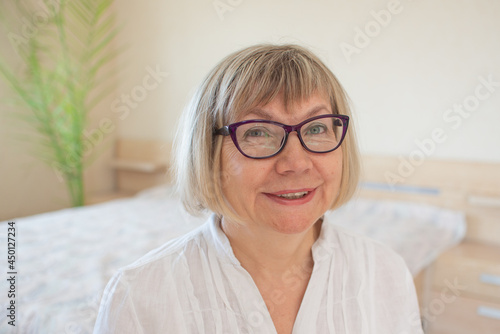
(299, 201)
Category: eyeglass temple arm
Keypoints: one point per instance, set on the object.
(224, 131)
(339, 122)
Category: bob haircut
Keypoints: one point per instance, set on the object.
(244, 80)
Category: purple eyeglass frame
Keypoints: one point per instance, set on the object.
(230, 130)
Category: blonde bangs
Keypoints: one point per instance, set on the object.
(244, 80)
(260, 74)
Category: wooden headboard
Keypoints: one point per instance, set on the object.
(471, 187)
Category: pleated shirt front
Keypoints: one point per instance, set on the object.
(195, 284)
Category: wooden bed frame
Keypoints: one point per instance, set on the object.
(460, 292)
(471, 187)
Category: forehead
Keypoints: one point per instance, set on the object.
(293, 111)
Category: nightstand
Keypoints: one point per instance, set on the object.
(463, 294)
(138, 165)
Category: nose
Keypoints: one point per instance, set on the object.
(294, 158)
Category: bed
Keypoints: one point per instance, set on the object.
(65, 258)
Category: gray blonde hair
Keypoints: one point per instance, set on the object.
(244, 80)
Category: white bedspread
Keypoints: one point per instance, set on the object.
(65, 258)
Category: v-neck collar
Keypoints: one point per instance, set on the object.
(322, 248)
(258, 313)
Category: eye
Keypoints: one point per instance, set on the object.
(316, 129)
(257, 132)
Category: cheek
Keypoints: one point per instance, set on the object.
(334, 172)
(231, 165)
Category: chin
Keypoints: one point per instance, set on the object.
(293, 226)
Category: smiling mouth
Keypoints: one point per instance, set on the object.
(296, 195)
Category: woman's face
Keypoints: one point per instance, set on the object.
(252, 186)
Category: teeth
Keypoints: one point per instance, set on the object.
(294, 195)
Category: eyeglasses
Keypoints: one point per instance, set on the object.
(260, 139)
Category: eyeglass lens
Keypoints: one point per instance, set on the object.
(265, 139)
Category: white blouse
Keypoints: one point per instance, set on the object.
(195, 284)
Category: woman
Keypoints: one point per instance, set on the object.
(266, 145)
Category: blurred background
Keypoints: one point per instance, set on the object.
(423, 77)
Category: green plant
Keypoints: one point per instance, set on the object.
(64, 47)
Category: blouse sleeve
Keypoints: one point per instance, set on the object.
(116, 312)
(398, 304)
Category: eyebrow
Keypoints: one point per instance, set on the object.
(262, 114)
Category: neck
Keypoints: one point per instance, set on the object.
(265, 251)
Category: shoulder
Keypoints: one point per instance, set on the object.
(169, 251)
(355, 243)
(174, 254)
(158, 277)
(365, 255)
(175, 260)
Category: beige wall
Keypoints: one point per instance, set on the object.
(421, 61)
(427, 58)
